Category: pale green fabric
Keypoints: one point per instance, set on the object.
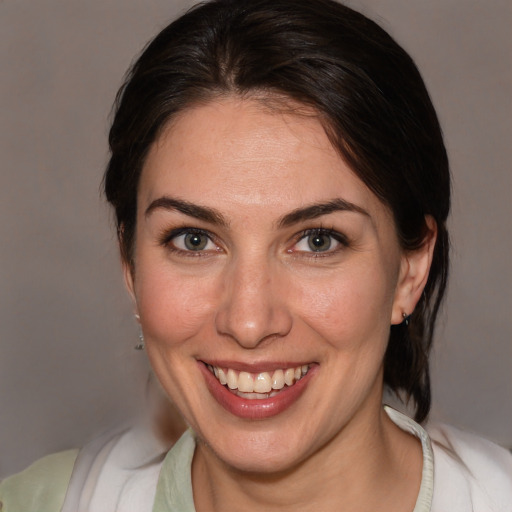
(174, 489)
(41, 487)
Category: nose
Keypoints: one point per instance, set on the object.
(253, 306)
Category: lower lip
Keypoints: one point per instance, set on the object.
(255, 409)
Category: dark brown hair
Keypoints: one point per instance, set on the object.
(367, 93)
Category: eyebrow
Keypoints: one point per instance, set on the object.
(213, 216)
(203, 213)
(317, 210)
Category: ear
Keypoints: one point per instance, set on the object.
(413, 276)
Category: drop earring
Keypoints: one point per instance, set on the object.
(140, 345)
(406, 318)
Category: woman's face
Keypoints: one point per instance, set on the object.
(262, 260)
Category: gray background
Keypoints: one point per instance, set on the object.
(67, 364)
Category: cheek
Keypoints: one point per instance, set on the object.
(348, 310)
(172, 308)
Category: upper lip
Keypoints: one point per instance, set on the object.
(255, 367)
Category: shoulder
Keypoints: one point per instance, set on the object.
(41, 487)
(468, 468)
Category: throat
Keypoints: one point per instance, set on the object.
(353, 473)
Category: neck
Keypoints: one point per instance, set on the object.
(360, 469)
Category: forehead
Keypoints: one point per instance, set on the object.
(236, 152)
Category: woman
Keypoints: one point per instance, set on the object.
(281, 190)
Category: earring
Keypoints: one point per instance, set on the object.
(140, 345)
(406, 318)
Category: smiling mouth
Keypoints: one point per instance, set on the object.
(258, 385)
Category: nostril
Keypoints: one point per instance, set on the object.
(249, 328)
(252, 309)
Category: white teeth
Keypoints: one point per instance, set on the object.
(278, 379)
(232, 379)
(289, 376)
(245, 382)
(262, 385)
(250, 396)
(222, 377)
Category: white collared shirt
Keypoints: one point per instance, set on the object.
(461, 473)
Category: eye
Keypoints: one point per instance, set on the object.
(320, 241)
(190, 240)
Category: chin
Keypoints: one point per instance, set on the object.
(258, 452)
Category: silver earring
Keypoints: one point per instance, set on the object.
(140, 345)
(406, 318)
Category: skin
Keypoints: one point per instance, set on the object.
(258, 295)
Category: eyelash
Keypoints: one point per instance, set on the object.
(331, 233)
(167, 238)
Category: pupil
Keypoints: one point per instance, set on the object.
(319, 242)
(195, 241)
